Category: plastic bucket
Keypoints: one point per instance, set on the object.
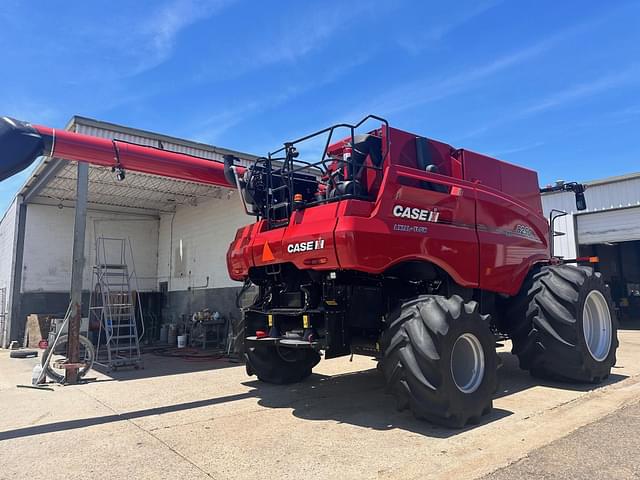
(182, 341)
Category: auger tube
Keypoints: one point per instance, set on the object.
(21, 143)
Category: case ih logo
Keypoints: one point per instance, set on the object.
(305, 246)
(416, 214)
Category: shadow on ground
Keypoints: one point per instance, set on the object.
(359, 399)
(513, 380)
(356, 398)
(160, 365)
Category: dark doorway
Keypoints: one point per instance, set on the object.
(619, 264)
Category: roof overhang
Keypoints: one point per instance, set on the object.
(53, 182)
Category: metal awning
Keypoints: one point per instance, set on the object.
(136, 191)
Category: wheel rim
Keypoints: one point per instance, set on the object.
(596, 325)
(467, 363)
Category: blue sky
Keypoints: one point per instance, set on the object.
(551, 85)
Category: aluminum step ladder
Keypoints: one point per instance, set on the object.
(114, 304)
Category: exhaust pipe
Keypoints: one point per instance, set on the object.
(21, 143)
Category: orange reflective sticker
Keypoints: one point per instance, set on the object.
(267, 254)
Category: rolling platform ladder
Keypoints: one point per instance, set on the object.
(113, 304)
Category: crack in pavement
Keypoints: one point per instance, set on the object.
(148, 432)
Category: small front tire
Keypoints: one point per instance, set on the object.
(280, 365)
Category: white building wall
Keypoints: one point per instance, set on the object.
(202, 234)
(564, 246)
(7, 236)
(49, 241)
(7, 257)
(602, 196)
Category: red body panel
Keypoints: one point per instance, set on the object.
(312, 225)
(381, 241)
(511, 239)
(487, 228)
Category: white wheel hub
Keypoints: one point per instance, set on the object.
(467, 363)
(596, 325)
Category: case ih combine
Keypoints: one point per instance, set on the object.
(391, 245)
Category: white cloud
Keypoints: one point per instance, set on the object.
(159, 33)
(212, 127)
(423, 91)
(29, 110)
(139, 41)
(293, 36)
(517, 149)
(585, 89)
(417, 93)
(560, 98)
(417, 43)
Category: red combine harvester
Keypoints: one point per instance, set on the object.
(391, 245)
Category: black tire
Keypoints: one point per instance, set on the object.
(548, 320)
(418, 348)
(280, 365)
(61, 346)
(23, 353)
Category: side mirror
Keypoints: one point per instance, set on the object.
(581, 203)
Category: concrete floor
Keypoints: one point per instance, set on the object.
(604, 450)
(180, 419)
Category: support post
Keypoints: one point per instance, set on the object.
(15, 320)
(73, 345)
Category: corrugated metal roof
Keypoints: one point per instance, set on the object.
(605, 195)
(603, 181)
(138, 190)
(86, 125)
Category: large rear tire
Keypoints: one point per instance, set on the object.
(564, 326)
(440, 360)
(280, 365)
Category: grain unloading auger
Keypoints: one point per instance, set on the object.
(21, 143)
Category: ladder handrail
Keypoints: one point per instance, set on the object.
(117, 311)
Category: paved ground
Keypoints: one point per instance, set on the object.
(606, 449)
(178, 419)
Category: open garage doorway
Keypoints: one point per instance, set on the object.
(619, 263)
